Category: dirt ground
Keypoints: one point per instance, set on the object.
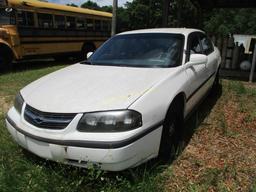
(221, 155)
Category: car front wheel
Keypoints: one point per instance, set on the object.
(171, 134)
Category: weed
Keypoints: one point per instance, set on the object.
(252, 116)
(242, 106)
(223, 124)
(211, 177)
(254, 187)
(237, 87)
(251, 92)
(222, 187)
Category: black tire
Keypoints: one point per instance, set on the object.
(172, 133)
(216, 83)
(5, 59)
(61, 58)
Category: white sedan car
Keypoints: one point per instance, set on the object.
(123, 106)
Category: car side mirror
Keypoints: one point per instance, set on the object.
(196, 59)
(89, 54)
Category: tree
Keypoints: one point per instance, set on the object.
(123, 20)
(106, 8)
(230, 21)
(144, 13)
(184, 14)
(166, 6)
(72, 5)
(91, 5)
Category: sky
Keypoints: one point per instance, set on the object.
(99, 2)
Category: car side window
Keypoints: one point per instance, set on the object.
(206, 44)
(194, 46)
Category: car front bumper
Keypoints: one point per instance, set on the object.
(107, 155)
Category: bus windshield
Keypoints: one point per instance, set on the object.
(140, 50)
(7, 16)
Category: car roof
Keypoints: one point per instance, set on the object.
(184, 31)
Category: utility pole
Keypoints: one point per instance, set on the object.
(113, 28)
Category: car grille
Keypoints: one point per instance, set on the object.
(47, 120)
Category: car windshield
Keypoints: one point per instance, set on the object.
(140, 50)
(7, 16)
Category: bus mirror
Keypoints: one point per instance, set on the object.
(89, 54)
(8, 10)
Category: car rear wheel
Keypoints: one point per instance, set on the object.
(216, 83)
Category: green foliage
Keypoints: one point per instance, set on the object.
(183, 14)
(106, 8)
(140, 14)
(230, 21)
(144, 14)
(72, 5)
(91, 5)
(123, 21)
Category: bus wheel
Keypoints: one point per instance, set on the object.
(61, 58)
(86, 49)
(5, 59)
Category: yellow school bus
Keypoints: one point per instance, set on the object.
(31, 28)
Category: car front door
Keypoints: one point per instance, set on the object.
(208, 50)
(196, 74)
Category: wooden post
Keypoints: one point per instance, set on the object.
(113, 27)
(253, 65)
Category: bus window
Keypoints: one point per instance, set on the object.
(30, 19)
(21, 18)
(7, 18)
(80, 24)
(109, 25)
(89, 24)
(97, 25)
(105, 25)
(60, 21)
(25, 18)
(45, 20)
(71, 23)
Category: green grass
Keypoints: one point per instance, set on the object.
(254, 187)
(237, 87)
(23, 171)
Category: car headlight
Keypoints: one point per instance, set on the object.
(110, 121)
(18, 102)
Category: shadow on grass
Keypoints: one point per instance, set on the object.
(141, 175)
(202, 111)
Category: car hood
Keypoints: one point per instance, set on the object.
(86, 88)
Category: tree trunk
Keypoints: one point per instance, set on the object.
(166, 5)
